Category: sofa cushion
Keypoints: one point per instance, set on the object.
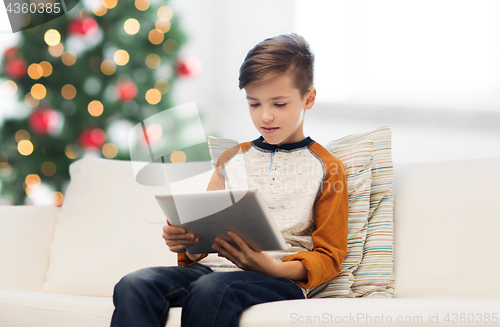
(447, 221)
(54, 310)
(109, 225)
(370, 213)
(57, 310)
(25, 238)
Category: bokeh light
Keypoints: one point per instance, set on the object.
(25, 19)
(56, 50)
(25, 147)
(5, 169)
(98, 9)
(131, 26)
(33, 180)
(108, 67)
(162, 85)
(170, 46)
(10, 88)
(162, 25)
(153, 61)
(154, 131)
(47, 68)
(52, 37)
(22, 135)
(109, 4)
(57, 198)
(68, 92)
(109, 150)
(165, 13)
(121, 57)
(32, 188)
(68, 58)
(35, 71)
(142, 4)
(30, 101)
(38, 91)
(178, 157)
(72, 151)
(153, 96)
(95, 108)
(156, 36)
(48, 168)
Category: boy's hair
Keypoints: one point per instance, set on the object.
(287, 53)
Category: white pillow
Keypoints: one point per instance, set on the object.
(103, 229)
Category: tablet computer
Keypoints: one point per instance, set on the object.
(213, 213)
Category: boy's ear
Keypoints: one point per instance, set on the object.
(310, 98)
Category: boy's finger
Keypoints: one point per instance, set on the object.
(238, 240)
(181, 242)
(189, 236)
(174, 230)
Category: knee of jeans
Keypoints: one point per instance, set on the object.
(133, 280)
(209, 285)
(206, 285)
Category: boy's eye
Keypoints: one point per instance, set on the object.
(280, 104)
(254, 104)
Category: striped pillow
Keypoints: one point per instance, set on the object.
(357, 159)
(374, 276)
(367, 269)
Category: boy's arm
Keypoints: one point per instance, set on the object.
(330, 234)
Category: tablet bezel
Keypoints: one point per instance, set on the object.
(249, 217)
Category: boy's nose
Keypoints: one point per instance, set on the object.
(266, 115)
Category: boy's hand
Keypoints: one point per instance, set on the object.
(247, 259)
(243, 256)
(178, 239)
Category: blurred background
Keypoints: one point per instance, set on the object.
(428, 69)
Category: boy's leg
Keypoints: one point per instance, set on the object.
(143, 298)
(217, 299)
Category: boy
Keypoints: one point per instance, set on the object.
(304, 186)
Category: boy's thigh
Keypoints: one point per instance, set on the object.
(253, 286)
(165, 279)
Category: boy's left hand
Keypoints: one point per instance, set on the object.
(243, 256)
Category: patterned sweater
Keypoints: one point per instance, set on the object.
(305, 188)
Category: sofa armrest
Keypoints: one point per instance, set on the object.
(25, 239)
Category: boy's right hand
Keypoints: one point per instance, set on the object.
(178, 239)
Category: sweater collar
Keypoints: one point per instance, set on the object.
(259, 142)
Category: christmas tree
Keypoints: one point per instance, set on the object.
(87, 78)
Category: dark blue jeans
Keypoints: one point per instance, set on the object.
(207, 298)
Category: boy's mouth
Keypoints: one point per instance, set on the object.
(269, 130)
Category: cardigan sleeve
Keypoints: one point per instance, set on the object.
(330, 233)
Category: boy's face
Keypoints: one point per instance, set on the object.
(277, 109)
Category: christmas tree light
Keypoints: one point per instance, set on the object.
(85, 79)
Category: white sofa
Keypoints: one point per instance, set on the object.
(58, 265)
